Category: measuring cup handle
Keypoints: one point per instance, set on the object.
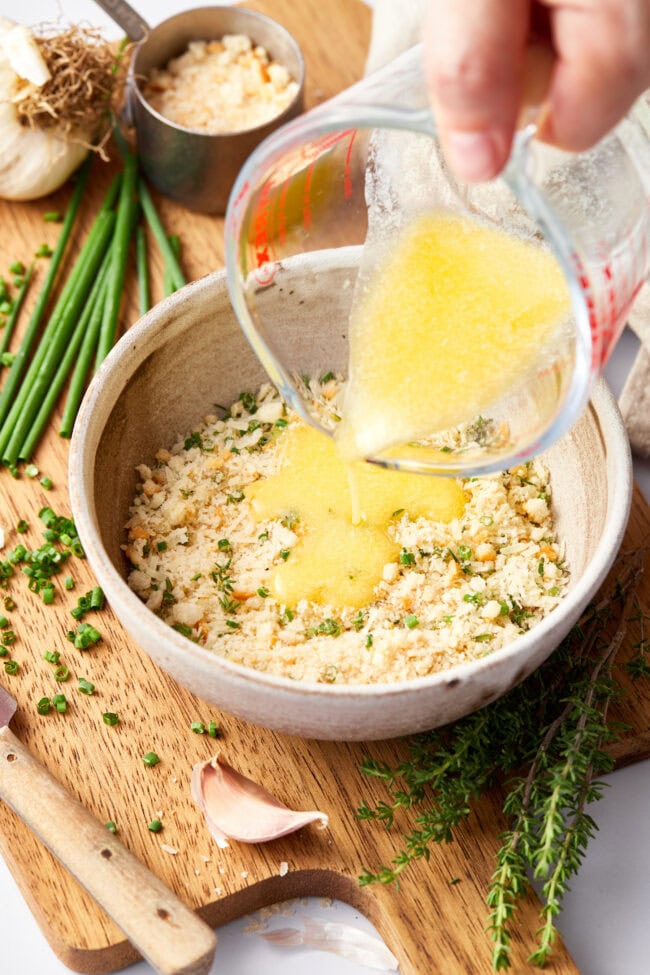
(133, 25)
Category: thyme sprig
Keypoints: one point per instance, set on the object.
(546, 740)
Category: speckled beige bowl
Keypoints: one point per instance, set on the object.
(187, 354)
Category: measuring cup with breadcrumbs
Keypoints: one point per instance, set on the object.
(478, 316)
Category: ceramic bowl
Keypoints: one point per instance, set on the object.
(188, 353)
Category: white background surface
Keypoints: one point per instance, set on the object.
(605, 918)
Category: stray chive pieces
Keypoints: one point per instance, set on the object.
(198, 727)
(12, 667)
(110, 718)
(150, 759)
(213, 730)
(155, 826)
(52, 216)
(44, 706)
(110, 826)
(60, 703)
(61, 674)
(47, 483)
(85, 686)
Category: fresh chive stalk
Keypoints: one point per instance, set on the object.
(80, 372)
(176, 275)
(81, 333)
(13, 379)
(15, 310)
(119, 254)
(168, 281)
(55, 338)
(143, 273)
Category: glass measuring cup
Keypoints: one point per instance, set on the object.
(360, 167)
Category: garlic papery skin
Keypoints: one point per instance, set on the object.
(237, 808)
(33, 162)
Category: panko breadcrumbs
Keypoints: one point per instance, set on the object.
(221, 86)
(200, 561)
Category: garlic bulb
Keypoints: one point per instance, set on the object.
(33, 162)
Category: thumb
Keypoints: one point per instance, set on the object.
(474, 55)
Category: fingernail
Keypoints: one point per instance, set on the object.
(473, 156)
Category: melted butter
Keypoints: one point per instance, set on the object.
(335, 561)
(454, 318)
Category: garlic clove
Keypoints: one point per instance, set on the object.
(340, 939)
(237, 808)
(24, 56)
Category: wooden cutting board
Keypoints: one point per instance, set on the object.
(430, 925)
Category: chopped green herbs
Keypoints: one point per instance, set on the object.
(110, 718)
(61, 674)
(406, 558)
(60, 703)
(213, 730)
(52, 656)
(155, 826)
(85, 686)
(11, 667)
(84, 636)
(411, 621)
(150, 759)
(44, 706)
(197, 727)
(110, 826)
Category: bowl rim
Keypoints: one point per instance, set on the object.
(125, 359)
(218, 9)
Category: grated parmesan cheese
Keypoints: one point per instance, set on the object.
(221, 86)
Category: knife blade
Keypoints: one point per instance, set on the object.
(172, 938)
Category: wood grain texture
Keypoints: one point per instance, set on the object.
(430, 925)
(171, 937)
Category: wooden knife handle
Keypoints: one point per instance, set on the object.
(167, 933)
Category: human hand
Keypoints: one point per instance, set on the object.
(597, 63)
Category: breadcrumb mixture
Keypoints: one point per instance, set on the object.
(459, 591)
(221, 86)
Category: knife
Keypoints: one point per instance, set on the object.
(171, 937)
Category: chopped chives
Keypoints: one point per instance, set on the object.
(110, 718)
(161, 546)
(155, 826)
(150, 759)
(3, 651)
(198, 727)
(46, 482)
(47, 595)
(22, 526)
(85, 686)
(97, 598)
(4, 622)
(44, 706)
(411, 621)
(8, 637)
(52, 656)
(68, 582)
(213, 730)
(17, 267)
(110, 826)
(61, 674)
(32, 470)
(52, 216)
(44, 251)
(12, 667)
(9, 603)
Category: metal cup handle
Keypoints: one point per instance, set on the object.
(133, 25)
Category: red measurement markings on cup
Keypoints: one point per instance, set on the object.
(264, 269)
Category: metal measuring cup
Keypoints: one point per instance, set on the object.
(197, 168)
